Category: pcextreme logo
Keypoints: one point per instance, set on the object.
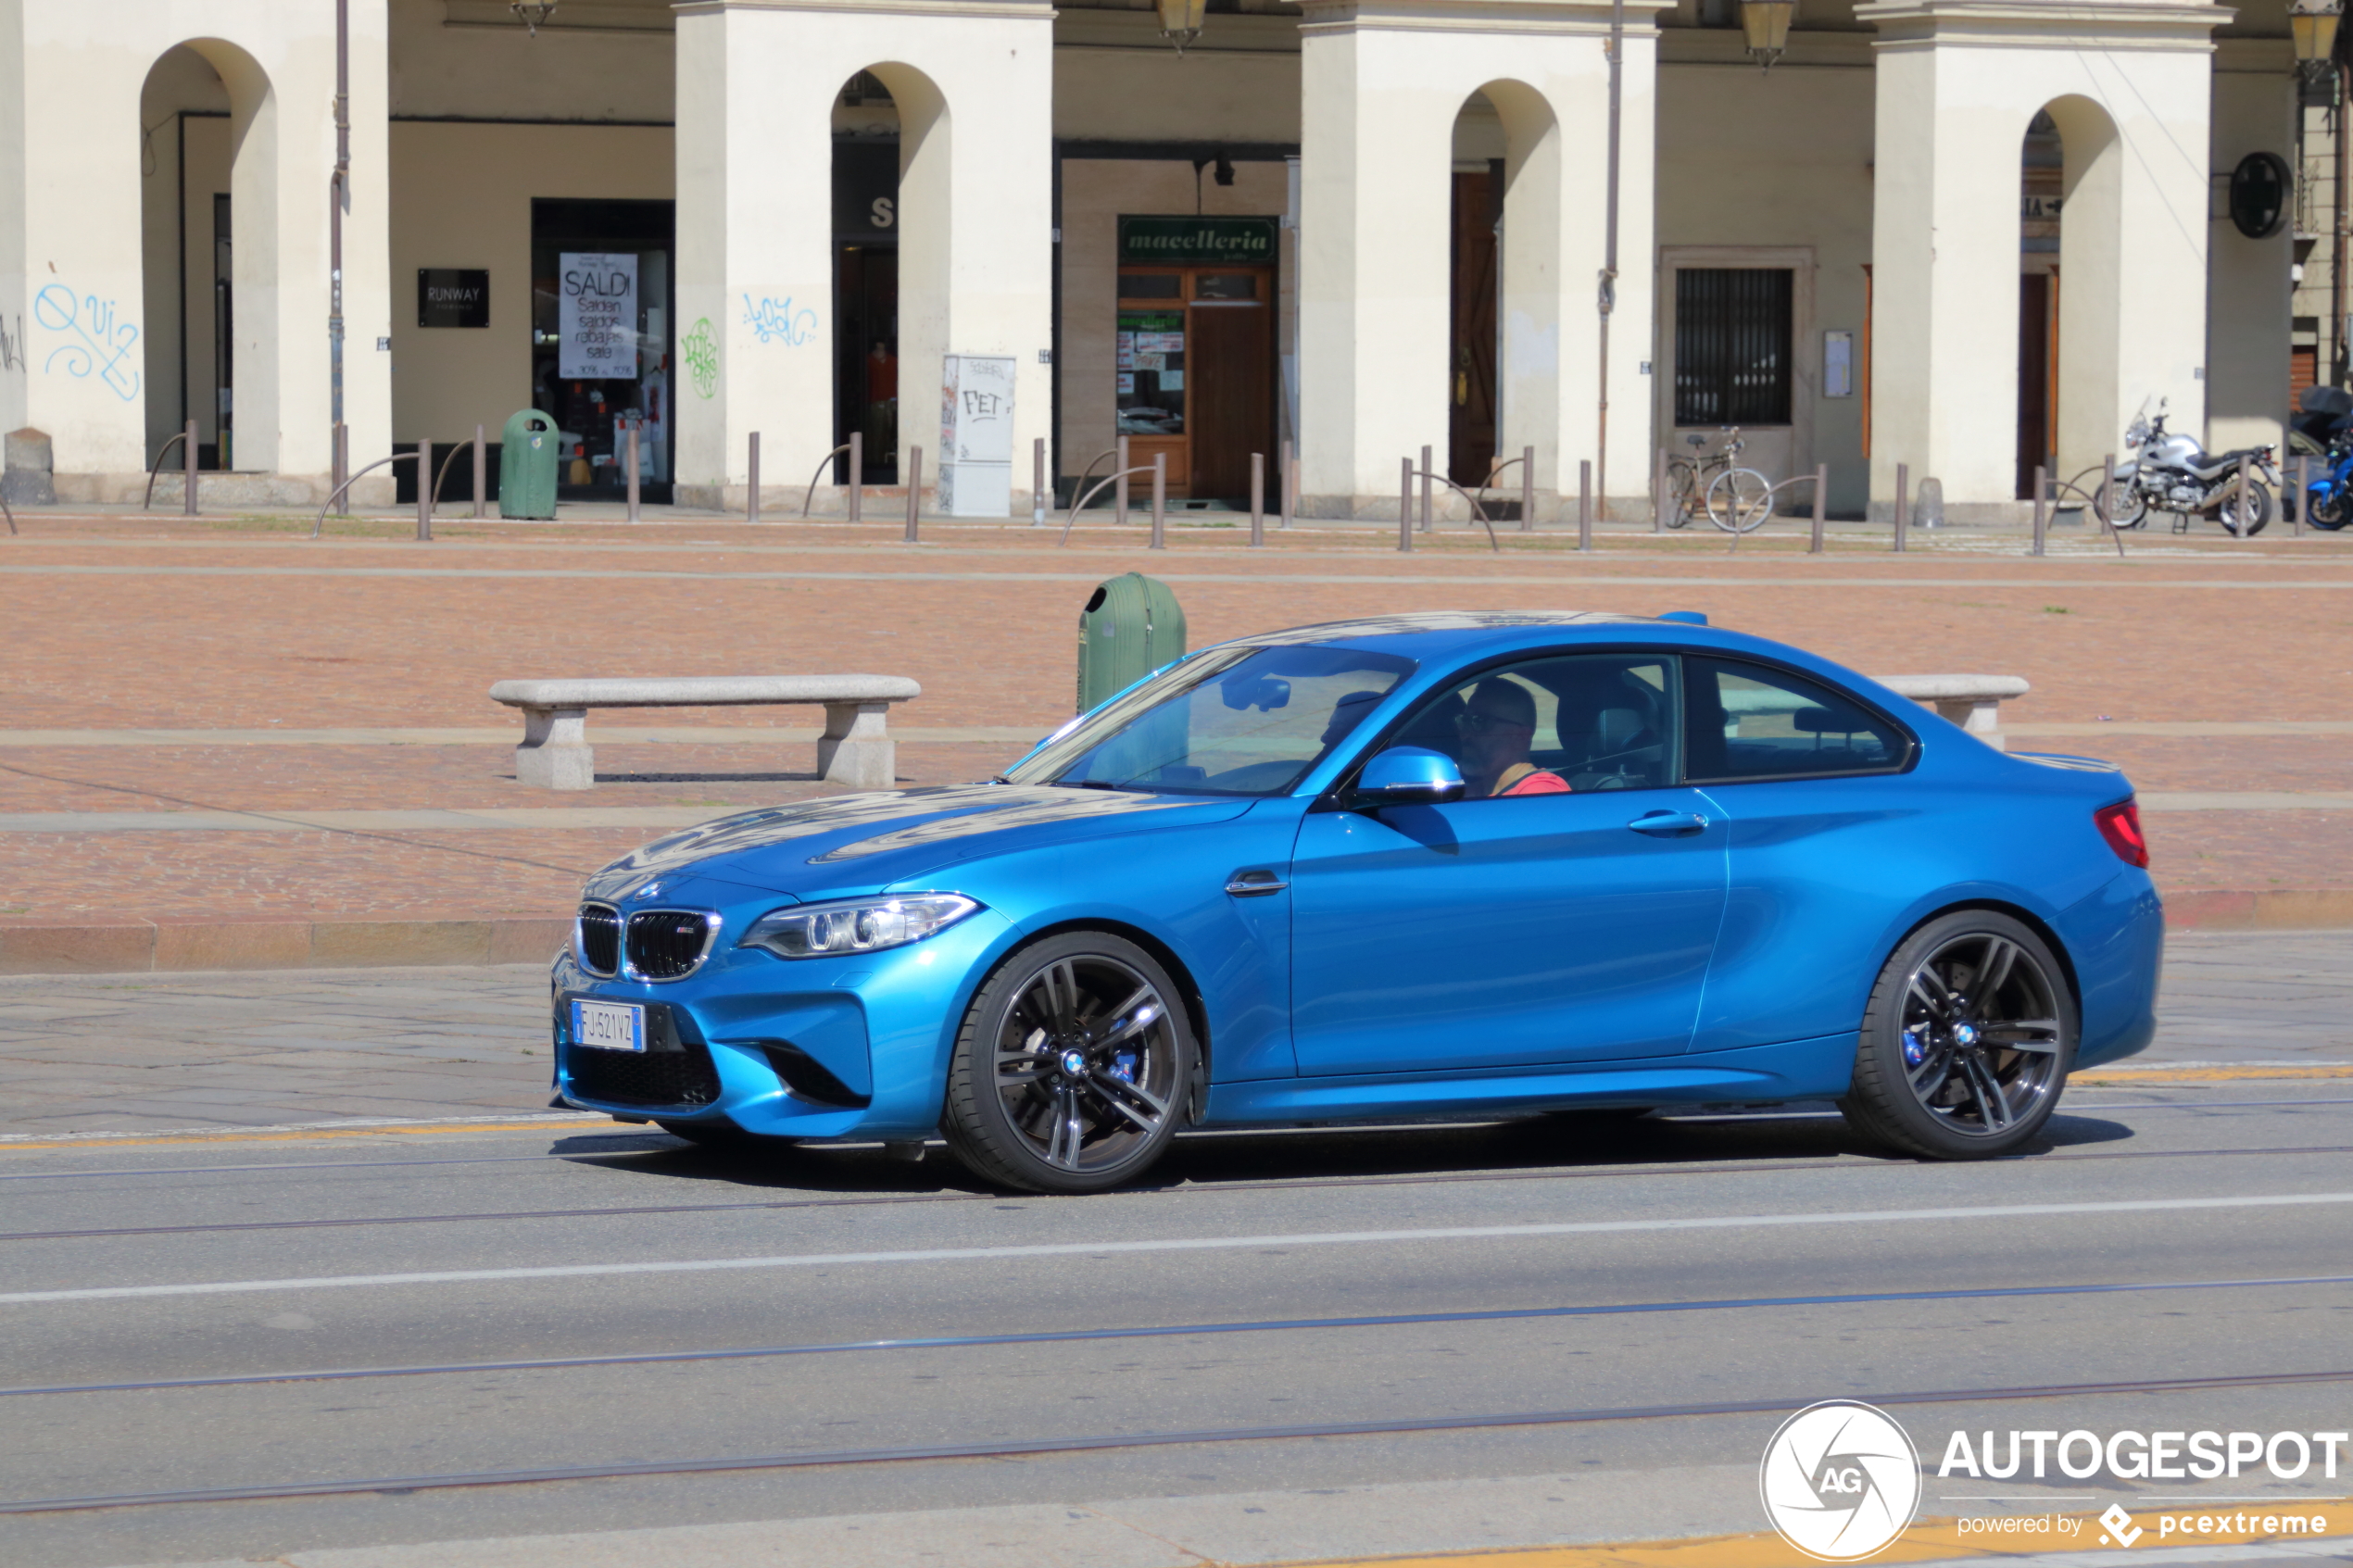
(1840, 1480)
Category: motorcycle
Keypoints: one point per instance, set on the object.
(2173, 473)
(2325, 432)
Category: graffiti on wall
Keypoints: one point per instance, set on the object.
(698, 350)
(775, 320)
(99, 342)
(11, 346)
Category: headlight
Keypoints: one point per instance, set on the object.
(855, 926)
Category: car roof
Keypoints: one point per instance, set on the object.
(1421, 634)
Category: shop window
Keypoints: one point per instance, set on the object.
(1225, 285)
(602, 342)
(1733, 346)
(1153, 286)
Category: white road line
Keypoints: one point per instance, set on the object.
(1185, 1244)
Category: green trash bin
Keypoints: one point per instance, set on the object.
(527, 466)
(1131, 626)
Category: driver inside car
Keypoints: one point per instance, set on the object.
(1497, 727)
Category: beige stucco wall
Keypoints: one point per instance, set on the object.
(1095, 193)
(1116, 79)
(1776, 160)
(2249, 285)
(461, 197)
(599, 60)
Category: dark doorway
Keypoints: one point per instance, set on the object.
(224, 338)
(865, 205)
(2037, 376)
(602, 358)
(1470, 402)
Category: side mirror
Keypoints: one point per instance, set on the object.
(1409, 775)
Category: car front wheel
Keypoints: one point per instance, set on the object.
(1071, 1069)
(1967, 1042)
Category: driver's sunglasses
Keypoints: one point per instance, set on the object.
(1475, 722)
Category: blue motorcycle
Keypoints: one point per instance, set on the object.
(2326, 427)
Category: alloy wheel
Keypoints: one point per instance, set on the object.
(1982, 1035)
(1087, 1063)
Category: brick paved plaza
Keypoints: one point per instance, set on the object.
(334, 691)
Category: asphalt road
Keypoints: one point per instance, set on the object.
(1640, 1306)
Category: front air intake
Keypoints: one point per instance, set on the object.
(668, 944)
(599, 938)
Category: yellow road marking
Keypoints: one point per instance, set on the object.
(1929, 1540)
(2116, 1079)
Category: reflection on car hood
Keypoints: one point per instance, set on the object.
(914, 828)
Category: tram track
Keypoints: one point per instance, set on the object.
(1171, 1331)
(1187, 1188)
(404, 1485)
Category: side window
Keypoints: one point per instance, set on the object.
(1748, 721)
(1547, 727)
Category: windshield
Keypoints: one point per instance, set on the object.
(1231, 721)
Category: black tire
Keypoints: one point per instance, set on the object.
(2121, 505)
(2329, 514)
(1931, 1077)
(1073, 1066)
(2258, 510)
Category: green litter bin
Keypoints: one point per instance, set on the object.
(1131, 626)
(527, 466)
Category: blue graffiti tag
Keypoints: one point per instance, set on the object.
(775, 320)
(106, 343)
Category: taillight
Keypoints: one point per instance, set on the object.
(2120, 825)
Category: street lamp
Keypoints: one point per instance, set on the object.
(1180, 20)
(533, 14)
(2312, 24)
(1765, 27)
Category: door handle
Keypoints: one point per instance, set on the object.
(1250, 883)
(1668, 825)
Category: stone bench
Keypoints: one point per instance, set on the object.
(1974, 702)
(855, 752)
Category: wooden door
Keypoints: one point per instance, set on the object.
(1470, 390)
(2037, 377)
(1230, 380)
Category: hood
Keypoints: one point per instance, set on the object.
(850, 843)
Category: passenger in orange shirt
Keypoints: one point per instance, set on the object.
(1497, 728)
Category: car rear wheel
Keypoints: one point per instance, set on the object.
(1070, 1068)
(1967, 1042)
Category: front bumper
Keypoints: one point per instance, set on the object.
(855, 1046)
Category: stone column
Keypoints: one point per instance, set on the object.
(756, 80)
(1382, 82)
(1957, 83)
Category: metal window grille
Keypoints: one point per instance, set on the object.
(1732, 349)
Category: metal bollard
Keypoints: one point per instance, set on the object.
(1038, 483)
(1584, 503)
(188, 471)
(1159, 500)
(1405, 505)
(2238, 502)
(482, 474)
(1660, 499)
(1903, 502)
(914, 491)
(1119, 486)
(2303, 491)
(1288, 483)
(1527, 488)
(342, 461)
(634, 514)
(751, 481)
(1426, 517)
(1822, 502)
(1257, 499)
(856, 509)
(424, 491)
(2042, 510)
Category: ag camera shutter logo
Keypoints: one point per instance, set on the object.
(1840, 1481)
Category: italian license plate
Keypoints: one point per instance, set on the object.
(609, 1026)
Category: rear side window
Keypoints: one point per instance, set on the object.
(1751, 721)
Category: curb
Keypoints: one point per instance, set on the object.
(134, 944)
(130, 944)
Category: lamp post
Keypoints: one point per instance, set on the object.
(2312, 24)
(1180, 20)
(533, 14)
(1765, 29)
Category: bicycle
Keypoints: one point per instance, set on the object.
(1737, 500)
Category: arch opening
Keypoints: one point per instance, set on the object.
(2071, 254)
(865, 268)
(1502, 391)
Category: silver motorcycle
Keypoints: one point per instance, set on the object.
(2173, 473)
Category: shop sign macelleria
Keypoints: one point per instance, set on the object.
(1195, 242)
